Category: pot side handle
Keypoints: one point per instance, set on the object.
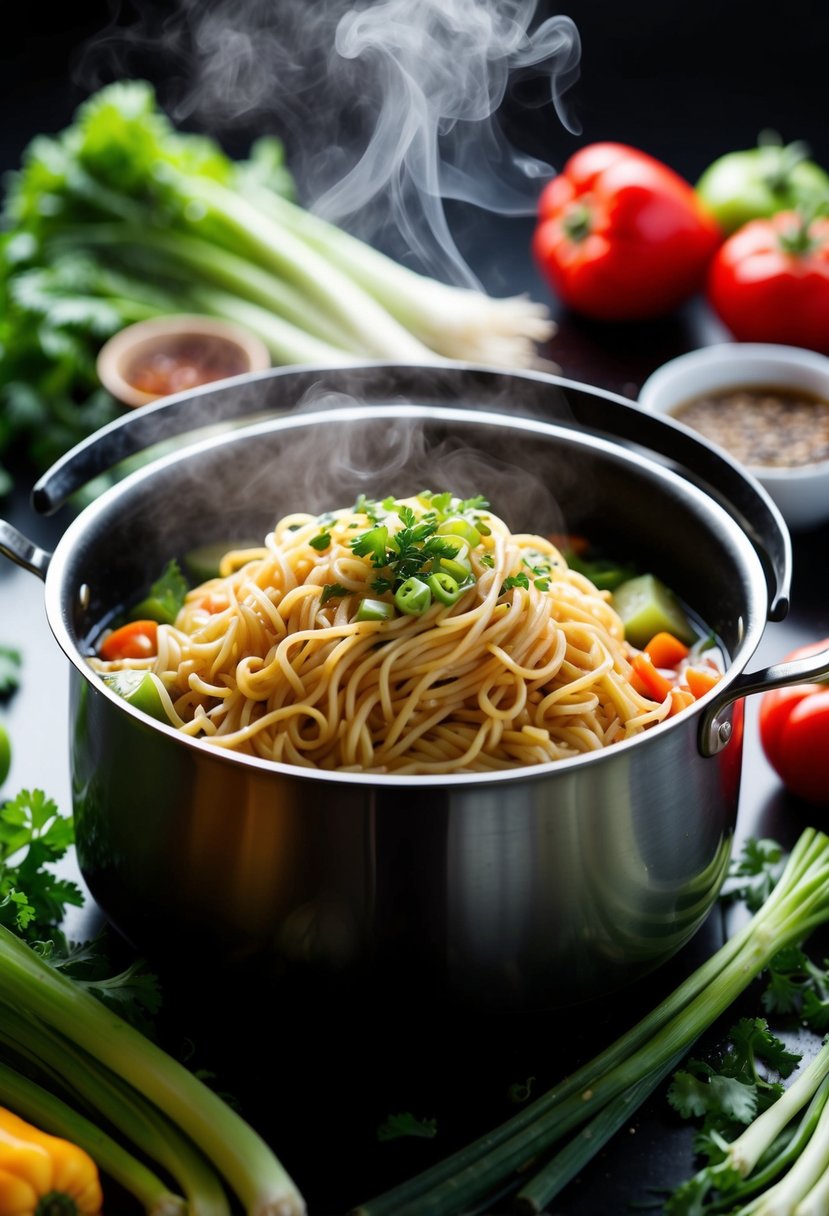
(22, 551)
(715, 728)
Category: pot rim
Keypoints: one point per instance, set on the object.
(753, 626)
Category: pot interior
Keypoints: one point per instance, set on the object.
(539, 477)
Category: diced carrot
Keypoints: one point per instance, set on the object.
(681, 698)
(213, 603)
(700, 680)
(652, 683)
(135, 640)
(666, 650)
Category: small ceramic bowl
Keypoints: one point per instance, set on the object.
(166, 355)
(800, 491)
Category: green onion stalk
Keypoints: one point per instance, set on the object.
(798, 904)
(127, 1063)
(750, 1179)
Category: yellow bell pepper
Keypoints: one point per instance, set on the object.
(43, 1175)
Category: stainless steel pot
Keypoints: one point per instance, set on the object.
(534, 887)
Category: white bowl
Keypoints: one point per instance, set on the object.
(801, 492)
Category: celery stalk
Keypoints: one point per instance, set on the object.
(238, 1153)
(44, 1110)
(79, 1073)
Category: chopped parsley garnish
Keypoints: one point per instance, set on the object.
(331, 591)
(515, 580)
(321, 542)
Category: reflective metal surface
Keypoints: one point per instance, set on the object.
(528, 888)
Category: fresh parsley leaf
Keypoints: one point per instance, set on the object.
(331, 591)
(797, 985)
(697, 1096)
(754, 874)
(321, 542)
(133, 992)
(738, 1081)
(515, 580)
(406, 1124)
(34, 835)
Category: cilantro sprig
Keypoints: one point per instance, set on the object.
(33, 836)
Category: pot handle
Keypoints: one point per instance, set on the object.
(22, 551)
(715, 728)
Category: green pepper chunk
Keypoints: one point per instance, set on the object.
(456, 525)
(374, 610)
(413, 597)
(141, 689)
(446, 589)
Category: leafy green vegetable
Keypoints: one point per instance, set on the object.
(122, 216)
(733, 1087)
(34, 835)
(754, 873)
(406, 1124)
(165, 597)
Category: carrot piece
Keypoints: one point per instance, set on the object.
(681, 698)
(699, 680)
(135, 640)
(665, 650)
(652, 683)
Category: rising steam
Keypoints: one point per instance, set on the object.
(387, 109)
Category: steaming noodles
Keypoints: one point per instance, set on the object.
(412, 636)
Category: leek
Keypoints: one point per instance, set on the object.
(797, 905)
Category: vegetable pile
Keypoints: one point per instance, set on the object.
(122, 217)
(622, 237)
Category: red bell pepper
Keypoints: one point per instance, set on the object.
(769, 282)
(621, 236)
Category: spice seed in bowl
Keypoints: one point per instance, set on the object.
(767, 406)
(762, 426)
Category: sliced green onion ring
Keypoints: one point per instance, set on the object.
(413, 597)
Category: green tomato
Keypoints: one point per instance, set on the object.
(5, 754)
(759, 182)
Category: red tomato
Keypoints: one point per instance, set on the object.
(769, 282)
(794, 732)
(620, 236)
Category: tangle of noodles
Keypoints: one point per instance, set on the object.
(528, 665)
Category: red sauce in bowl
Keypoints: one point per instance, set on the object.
(188, 362)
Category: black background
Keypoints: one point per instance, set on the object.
(684, 81)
